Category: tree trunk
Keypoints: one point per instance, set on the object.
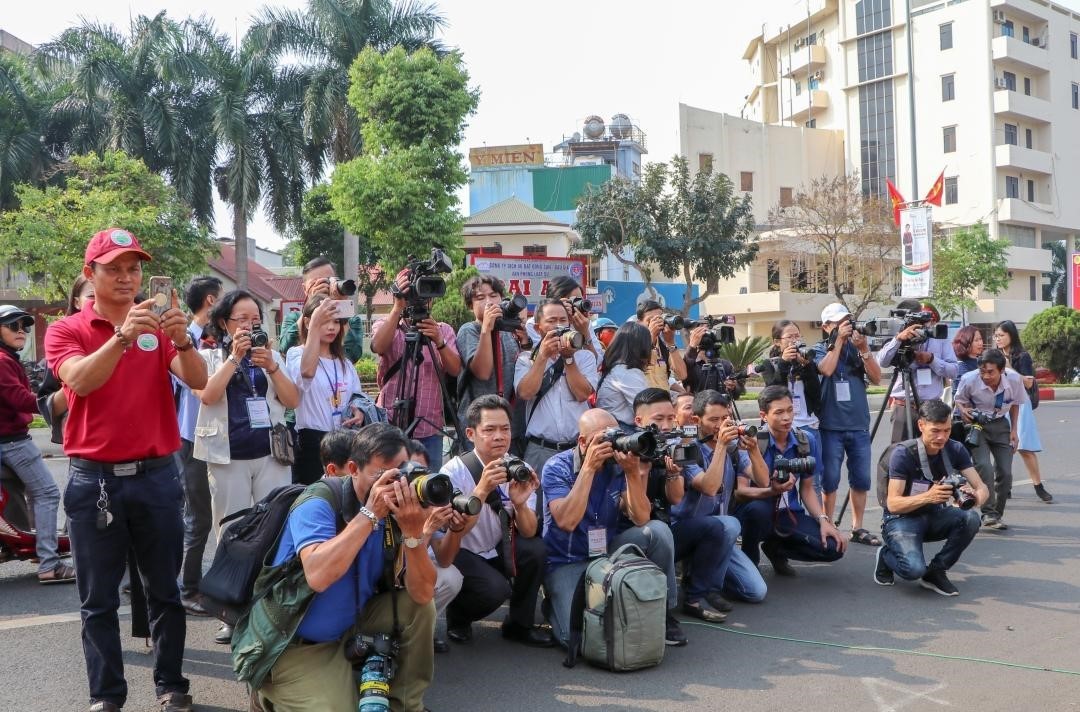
(241, 243)
(351, 257)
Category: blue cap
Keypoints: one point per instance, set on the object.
(603, 323)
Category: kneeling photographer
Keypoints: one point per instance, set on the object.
(358, 617)
(596, 501)
(496, 549)
(922, 351)
(926, 475)
(787, 524)
(414, 353)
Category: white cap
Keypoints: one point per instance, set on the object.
(834, 313)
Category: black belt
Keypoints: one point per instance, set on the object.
(297, 640)
(550, 445)
(5, 439)
(122, 469)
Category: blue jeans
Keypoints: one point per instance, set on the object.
(146, 511)
(904, 535)
(834, 445)
(24, 459)
(561, 582)
(743, 581)
(708, 543)
(434, 446)
(794, 534)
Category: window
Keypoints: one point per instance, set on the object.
(1012, 187)
(787, 198)
(1010, 81)
(704, 162)
(1027, 86)
(1031, 191)
(746, 181)
(1032, 287)
(534, 251)
(948, 87)
(952, 193)
(945, 34)
(949, 135)
(812, 83)
(773, 275)
(1008, 29)
(1027, 138)
(811, 124)
(1010, 134)
(1076, 95)
(798, 88)
(800, 275)
(1026, 34)
(1073, 45)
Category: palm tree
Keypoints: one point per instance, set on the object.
(23, 152)
(1059, 272)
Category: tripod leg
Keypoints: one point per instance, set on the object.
(873, 432)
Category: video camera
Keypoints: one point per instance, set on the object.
(964, 500)
(979, 419)
(512, 309)
(785, 467)
(905, 319)
(424, 284)
(436, 490)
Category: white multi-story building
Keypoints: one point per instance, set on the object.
(989, 93)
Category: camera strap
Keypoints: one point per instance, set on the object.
(393, 571)
(551, 377)
(924, 460)
(494, 500)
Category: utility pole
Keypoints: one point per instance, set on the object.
(911, 100)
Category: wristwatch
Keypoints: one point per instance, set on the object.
(823, 516)
(569, 361)
(411, 542)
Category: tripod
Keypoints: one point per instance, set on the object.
(901, 370)
(405, 416)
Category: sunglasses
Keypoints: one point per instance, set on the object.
(19, 327)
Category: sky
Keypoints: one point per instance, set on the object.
(540, 68)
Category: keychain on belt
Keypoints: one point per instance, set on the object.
(104, 516)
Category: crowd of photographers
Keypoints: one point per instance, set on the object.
(494, 464)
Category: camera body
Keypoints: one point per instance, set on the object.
(681, 453)
(804, 351)
(570, 337)
(963, 499)
(259, 338)
(344, 287)
(374, 662)
(581, 305)
(425, 284)
(433, 490)
(974, 435)
(644, 442)
(359, 648)
(512, 308)
(785, 467)
(516, 469)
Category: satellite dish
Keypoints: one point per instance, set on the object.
(621, 127)
(594, 127)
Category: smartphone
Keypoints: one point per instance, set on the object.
(161, 292)
(344, 309)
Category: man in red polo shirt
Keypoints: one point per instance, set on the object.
(114, 359)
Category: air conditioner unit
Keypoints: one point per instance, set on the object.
(1035, 42)
(1000, 83)
(999, 17)
(816, 75)
(798, 43)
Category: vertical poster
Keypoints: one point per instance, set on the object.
(916, 255)
(1074, 293)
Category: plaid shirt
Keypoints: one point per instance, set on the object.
(429, 403)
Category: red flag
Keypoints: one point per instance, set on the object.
(936, 190)
(895, 199)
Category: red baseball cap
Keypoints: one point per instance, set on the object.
(105, 246)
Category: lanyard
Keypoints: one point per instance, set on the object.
(335, 398)
(496, 351)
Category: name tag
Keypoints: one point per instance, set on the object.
(918, 488)
(597, 541)
(843, 391)
(923, 376)
(258, 411)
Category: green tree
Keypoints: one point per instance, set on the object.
(319, 232)
(23, 116)
(47, 236)
(1053, 338)
(744, 352)
(1057, 291)
(964, 261)
(691, 227)
(401, 191)
(451, 308)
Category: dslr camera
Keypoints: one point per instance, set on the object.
(569, 336)
(259, 338)
(785, 467)
(344, 287)
(581, 304)
(805, 352)
(979, 419)
(963, 499)
(512, 308)
(516, 469)
(436, 490)
(644, 442)
(425, 284)
(374, 660)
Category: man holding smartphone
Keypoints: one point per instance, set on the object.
(320, 278)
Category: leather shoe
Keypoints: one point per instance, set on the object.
(441, 646)
(193, 607)
(459, 634)
(532, 636)
(103, 706)
(224, 634)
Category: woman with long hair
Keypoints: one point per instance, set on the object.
(326, 381)
(1007, 338)
(967, 345)
(245, 396)
(785, 366)
(623, 373)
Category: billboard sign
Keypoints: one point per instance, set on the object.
(530, 154)
(916, 252)
(529, 276)
(621, 299)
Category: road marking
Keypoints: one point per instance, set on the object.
(908, 697)
(31, 621)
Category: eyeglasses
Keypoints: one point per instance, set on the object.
(243, 319)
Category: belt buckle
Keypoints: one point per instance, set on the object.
(126, 469)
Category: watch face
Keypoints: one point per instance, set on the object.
(411, 542)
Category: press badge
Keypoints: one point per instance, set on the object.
(843, 391)
(918, 488)
(336, 418)
(258, 411)
(922, 377)
(597, 541)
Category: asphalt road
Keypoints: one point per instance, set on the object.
(829, 639)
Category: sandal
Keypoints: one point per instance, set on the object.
(703, 611)
(61, 574)
(862, 536)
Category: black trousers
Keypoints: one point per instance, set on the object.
(485, 585)
(308, 466)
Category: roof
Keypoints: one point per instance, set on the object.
(261, 282)
(290, 287)
(511, 212)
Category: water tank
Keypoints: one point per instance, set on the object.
(594, 127)
(621, 127)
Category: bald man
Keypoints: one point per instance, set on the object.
(595, 502)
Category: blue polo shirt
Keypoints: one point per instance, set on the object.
(334, 610)
(697, 504)
(792, 450)
(902, 466)
(560, 473)
(853, 414)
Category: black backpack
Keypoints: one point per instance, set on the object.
(250, 543)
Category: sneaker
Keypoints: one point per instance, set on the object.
(883, 575)
(673, 634)
(175, 702)
(719, 602)
(991, 521)
(224, 635)
(935, 580)
(1041, 492)
(779, 563)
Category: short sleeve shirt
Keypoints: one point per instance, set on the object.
(904, 467)
(697, 504)
(854, 412)
(469, 386)
(483, 539)
(791, 497)
(555, 416)
(136, 399)
(602, 510)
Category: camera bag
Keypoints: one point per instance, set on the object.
(618, 612)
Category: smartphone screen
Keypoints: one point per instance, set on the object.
(344, 309)
(161, 293)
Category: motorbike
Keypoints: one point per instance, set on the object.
(18, 541)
